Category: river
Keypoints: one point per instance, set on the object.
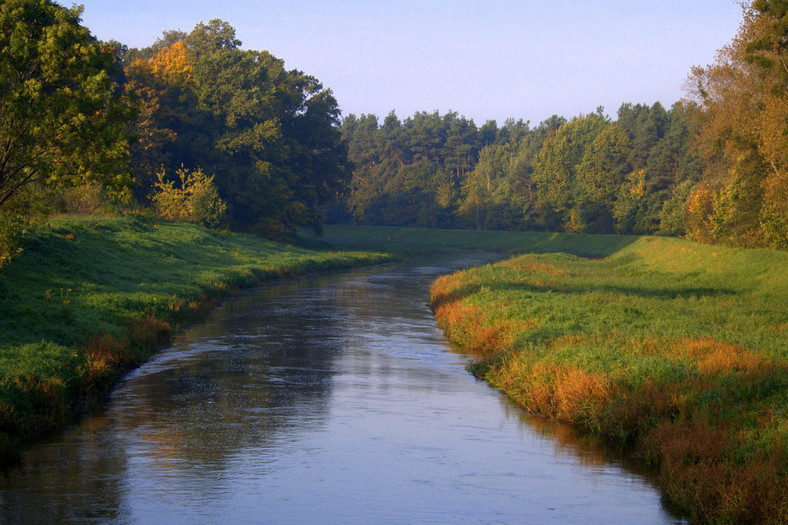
(327, 399)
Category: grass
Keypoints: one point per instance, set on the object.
(88, 299)
(677, 349)
(428, 240)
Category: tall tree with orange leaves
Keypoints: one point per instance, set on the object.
(268, 135)
(743, 99)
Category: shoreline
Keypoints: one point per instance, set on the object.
(90, 299)
(685, 363)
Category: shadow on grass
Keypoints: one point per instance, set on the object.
(428, 240)
(467, 290)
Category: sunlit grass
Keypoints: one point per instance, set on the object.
(679, 349)
(428, 240)
(89, 298)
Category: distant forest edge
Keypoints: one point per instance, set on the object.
(197, 129)
(712, 168)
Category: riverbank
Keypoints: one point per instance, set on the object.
(91, 298)
(409, 240)
(677, 349)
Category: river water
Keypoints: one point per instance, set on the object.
(327, 399)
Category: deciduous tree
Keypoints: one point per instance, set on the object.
(62, 118)
(743, 98)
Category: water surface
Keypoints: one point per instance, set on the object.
(329, 399)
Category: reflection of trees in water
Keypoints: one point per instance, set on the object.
(62, 481)
(261, 366)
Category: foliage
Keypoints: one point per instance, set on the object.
(195, 200)
(675, 348)
(673, 216)
(62, 116)
(743, 114)
(269, 135)
(556, 171)
(601, 175)
(589, 174)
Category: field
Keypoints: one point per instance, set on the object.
(90, 298)
(675, 349)
(430, 240)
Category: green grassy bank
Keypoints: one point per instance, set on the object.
(429, 240)
(88, 299)
(677, 349)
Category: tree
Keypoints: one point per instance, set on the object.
(269, 135)
(600, 176)
(207, 39)
(743, 122)
(520, 173)
(480, 186)
(645, 126)
(62, 119)
(556, 170)
(162, 81)
(279, 153)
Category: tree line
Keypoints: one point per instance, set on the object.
(228, 135)
(713, 167)
(587, 174)
(200, 129)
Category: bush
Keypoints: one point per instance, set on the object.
(196, 200)
(11, 229)
(87, 199)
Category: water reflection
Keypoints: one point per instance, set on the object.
(328, 399)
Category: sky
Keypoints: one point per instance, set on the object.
(484, 59)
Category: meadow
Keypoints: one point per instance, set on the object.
(407, 240)
(90, 298)
(676, 350)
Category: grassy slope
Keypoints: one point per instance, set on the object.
(90, 298)
(420, 240)
(677, 348)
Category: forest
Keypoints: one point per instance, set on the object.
(193, 127)
(197, 128)
(588, 174)
(711, 168)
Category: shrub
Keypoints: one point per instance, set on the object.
(87, 199)
(196, 199)
(11, 229)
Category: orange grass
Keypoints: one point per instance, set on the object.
(707, 413)
(532, 267)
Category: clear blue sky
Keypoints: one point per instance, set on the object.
(485, 59)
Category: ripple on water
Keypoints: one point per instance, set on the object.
(325, 399)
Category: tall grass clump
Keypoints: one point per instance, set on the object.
(90, 298)
(676, 349)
